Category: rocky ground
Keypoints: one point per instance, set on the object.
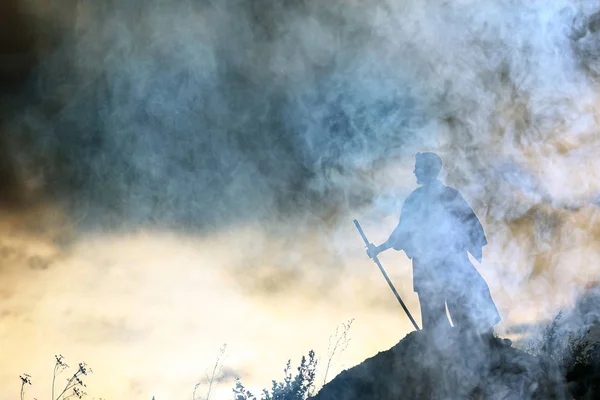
(448, 366)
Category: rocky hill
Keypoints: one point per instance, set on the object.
(448, 366)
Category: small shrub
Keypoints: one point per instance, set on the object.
(296, 387)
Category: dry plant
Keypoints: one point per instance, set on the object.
(215, 376)
(338, 343)
(25, 380)
(74, 386)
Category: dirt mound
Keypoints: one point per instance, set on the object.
(448, 366)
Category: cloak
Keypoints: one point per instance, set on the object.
(437, 228)
(435, 222)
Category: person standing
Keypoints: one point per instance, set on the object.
(437, 230)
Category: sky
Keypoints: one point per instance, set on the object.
(179, 175)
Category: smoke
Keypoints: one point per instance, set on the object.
(195, 114)
(285, 119)
(280, 95)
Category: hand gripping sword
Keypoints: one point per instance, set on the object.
(376, 260)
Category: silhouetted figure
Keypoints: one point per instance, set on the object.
(436, 230)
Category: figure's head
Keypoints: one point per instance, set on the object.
(427, 167)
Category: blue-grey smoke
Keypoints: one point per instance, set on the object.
(194, 113)
(283, 89)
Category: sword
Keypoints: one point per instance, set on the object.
(376, 260)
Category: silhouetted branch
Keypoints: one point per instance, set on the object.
(341, 344)
(215, 377)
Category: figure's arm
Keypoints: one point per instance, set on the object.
(395, 240)
(373, 250)
(398, 236)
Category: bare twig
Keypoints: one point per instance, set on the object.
(59, 366)
(215, 377)
(341, 343)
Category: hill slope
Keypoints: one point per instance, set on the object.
(448, 366)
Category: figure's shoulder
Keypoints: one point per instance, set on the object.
(415, 195)
(412, 201)
(417, 191)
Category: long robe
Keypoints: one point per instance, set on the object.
(437, 228)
